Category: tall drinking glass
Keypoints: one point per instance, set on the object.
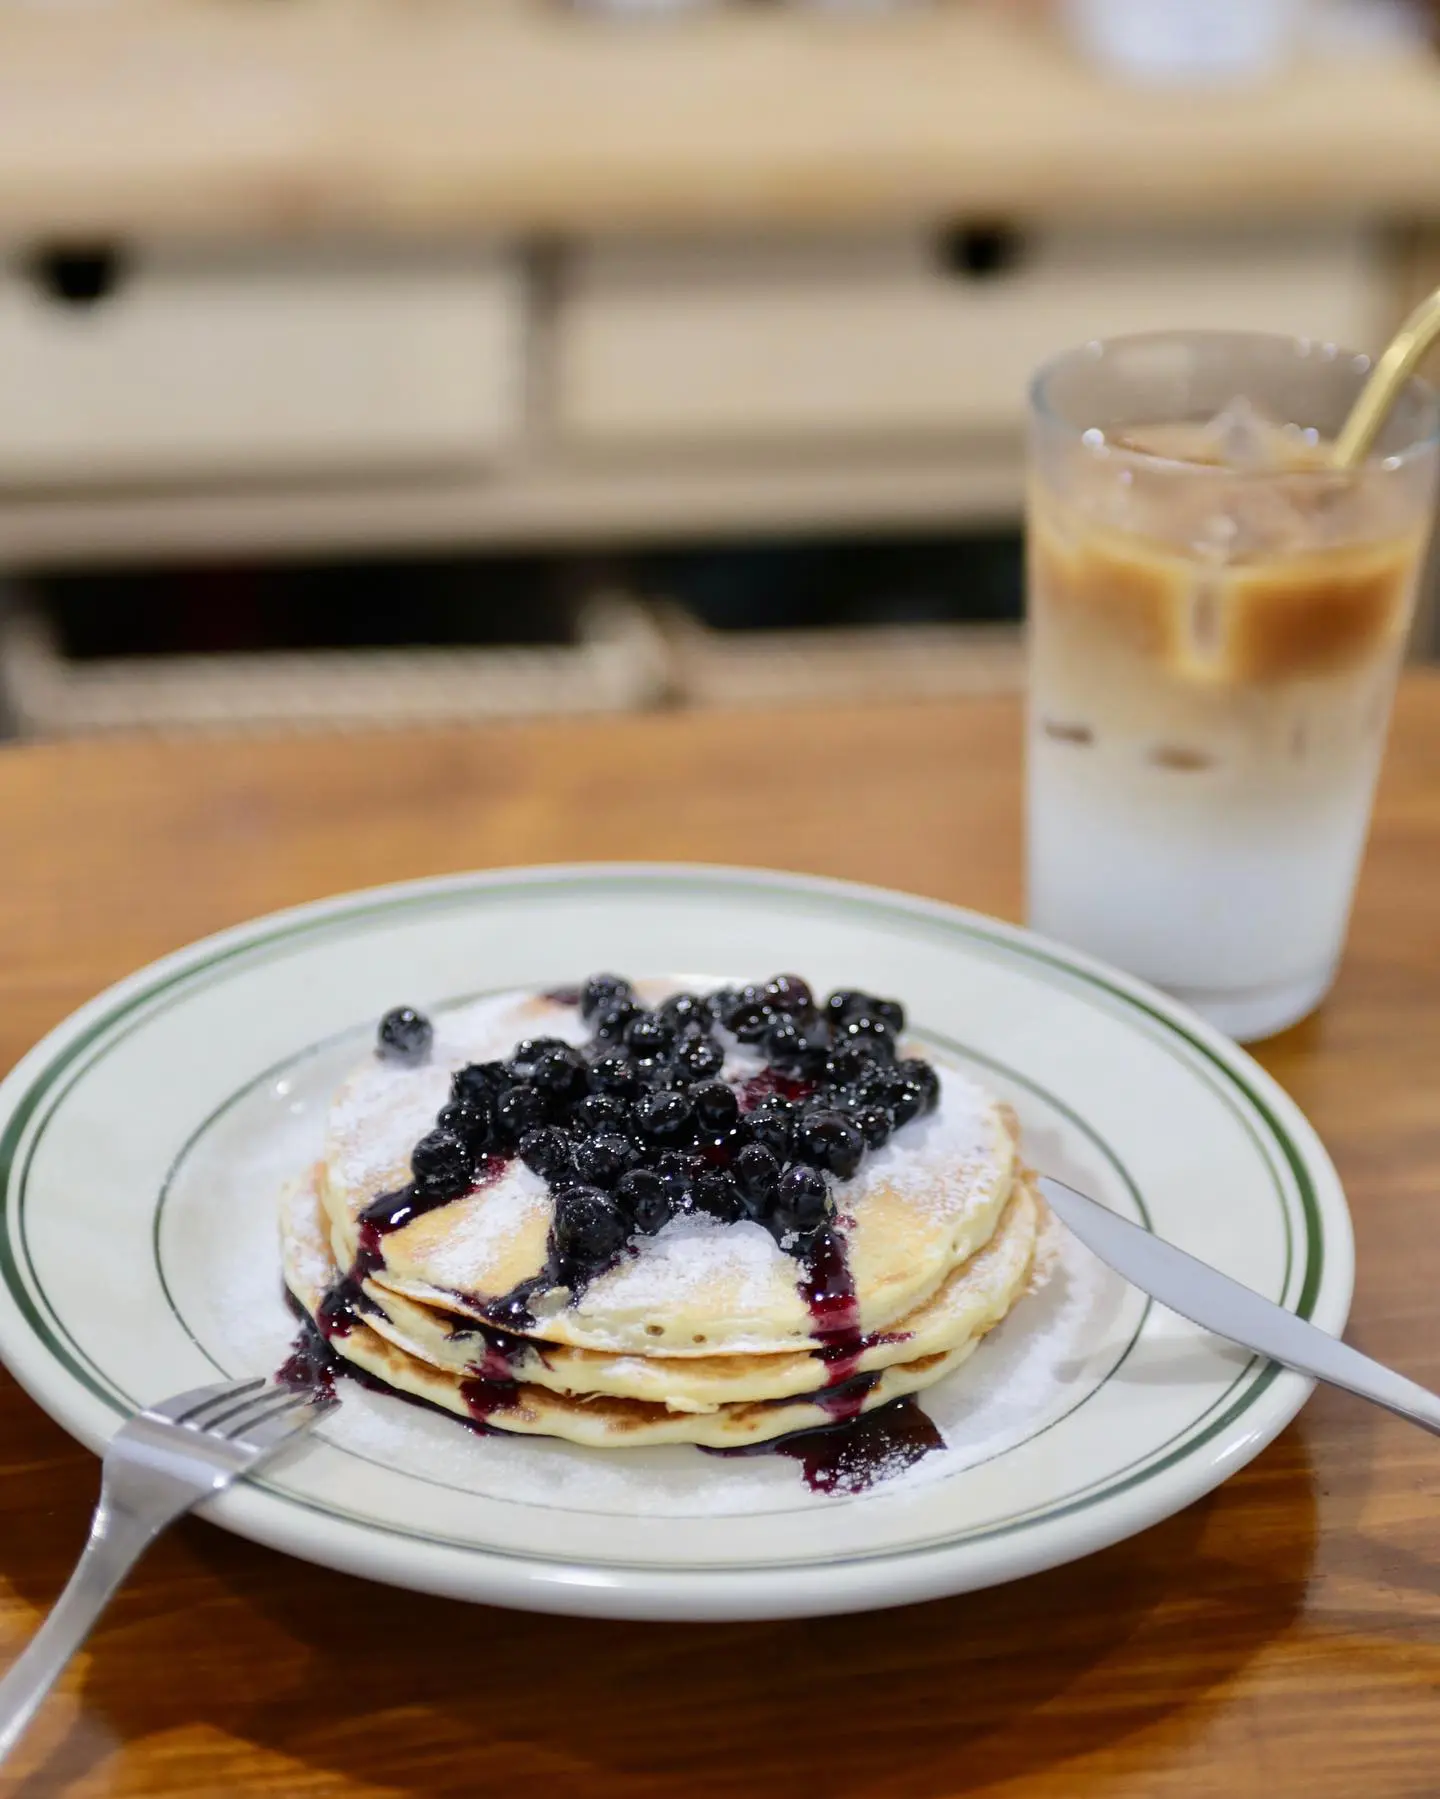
(1216, 620)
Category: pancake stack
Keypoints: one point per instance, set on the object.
(726, 1326)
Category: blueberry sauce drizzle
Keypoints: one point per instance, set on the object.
(770, 1083)
(313, 1366)
(852, 1456)
(500, 1352)
(485, 1397)
(342, 1307)
(393, 1211)
(828, 1289)
(843, 1357)
(345, 1302)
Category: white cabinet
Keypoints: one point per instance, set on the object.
(250, 363)
(821, 341)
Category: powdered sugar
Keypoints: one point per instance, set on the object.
(696, 1259)
(385, 1107)
(305, 1233)
(484, 1226)
(941, 1163)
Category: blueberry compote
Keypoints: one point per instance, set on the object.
(853, 1456)
(313, 1365)
(638, 1125)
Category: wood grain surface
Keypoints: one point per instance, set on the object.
(200, 117)
(1281, 1637)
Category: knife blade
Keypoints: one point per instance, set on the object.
(1227, 1309)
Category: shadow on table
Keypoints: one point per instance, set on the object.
(351, 1680)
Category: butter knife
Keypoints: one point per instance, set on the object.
(1215, 1302)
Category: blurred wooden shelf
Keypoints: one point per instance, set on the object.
(206, 117)
(894, 487)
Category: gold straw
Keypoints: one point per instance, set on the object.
(1388, 376)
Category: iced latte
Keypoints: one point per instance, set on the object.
(1216, 621)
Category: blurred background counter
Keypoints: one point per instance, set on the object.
(662, 358)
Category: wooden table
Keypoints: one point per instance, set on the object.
(1282, 1637)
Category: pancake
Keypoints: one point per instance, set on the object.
(617, 1411)
(612, 1314)
(971, 1299)
(916, 1210)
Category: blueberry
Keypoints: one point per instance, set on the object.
(847, 1002)
(716, 1106)
(441, 1164)
(701, 1058)
(674, 1076)
(601, 1160)
(546, 1152)
(873, 1122)
(756, 1171)
(647, 1200)
(890, 1010)
(680, 1187)
(613, 1072)
(663, 1117)
(456, 1115)
(519, 1109)
(478, 1081)
(603, 990)
(872, 1033)
(924, 1078)
(907, 1104)
(772, 1123)
(802, 1201)
(718, 1195)
(468, 1119)
(749, 1017)
(790, 1044)
(881, 1084)
(611, 1021)
(405, 1035)
(904, 1099)
(559, 1073)
(830, 1140)
(588, 1228)
(788, 993)
(677, 1174)
(718, 1149)
(657, 1071)
(527, 1054)
(649, 1034)
(601, 1112)
(680, 1161)
(847, 1062)
(842, 1002)
(684, 1009)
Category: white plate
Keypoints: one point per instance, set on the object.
(141, 1145)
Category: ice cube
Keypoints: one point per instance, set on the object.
(1242, 437)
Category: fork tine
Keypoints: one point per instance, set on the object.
(188, 1407)
(223, 1423)
(285, 1421)
(239, 1420)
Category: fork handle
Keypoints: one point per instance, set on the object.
(117, 1540)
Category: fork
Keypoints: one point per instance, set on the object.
(159, 1464)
